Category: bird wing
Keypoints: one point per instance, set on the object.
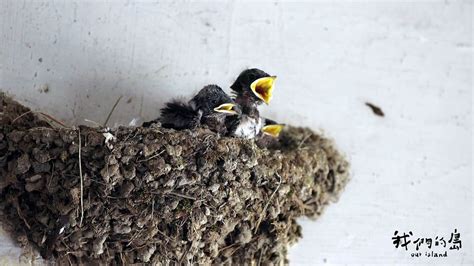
(179, 115)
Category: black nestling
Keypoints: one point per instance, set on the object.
(253, 86)
(271, 128)
(179, 115)
(247, 125)
(269, 133)
(214, 106)
(210, 106)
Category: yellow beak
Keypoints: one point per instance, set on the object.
(227, 108)
(263, 88)
(273, 130)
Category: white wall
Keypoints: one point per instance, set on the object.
(412, 170)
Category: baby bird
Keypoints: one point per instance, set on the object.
(251, 88)
(269, 134)
(247, 125)
(210, 107)
(271, 128)
(214, 106)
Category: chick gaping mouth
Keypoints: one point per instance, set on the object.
(273, 130)
(227, 108)
(263, 88)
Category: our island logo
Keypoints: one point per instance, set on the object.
(429, 247)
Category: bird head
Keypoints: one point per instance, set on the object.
(272, 128)
(212, 99)
(255, 83)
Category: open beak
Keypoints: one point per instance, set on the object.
(273, 130)
(263, 88)
(227, 108)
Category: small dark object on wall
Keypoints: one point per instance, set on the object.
(377, 110)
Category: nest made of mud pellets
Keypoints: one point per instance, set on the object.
(158, 195)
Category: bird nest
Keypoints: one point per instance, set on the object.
(157, 195)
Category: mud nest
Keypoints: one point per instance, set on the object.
(131, 195)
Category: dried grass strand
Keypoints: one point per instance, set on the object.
(81, 179)
(112, 110)
(268, 203)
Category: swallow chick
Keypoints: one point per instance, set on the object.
(176, 114)
(247, 125)
(209, 107)
(214, 106)
(272, 128)
(251, 88)
(269, 133)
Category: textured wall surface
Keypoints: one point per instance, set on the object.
(412, 169)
